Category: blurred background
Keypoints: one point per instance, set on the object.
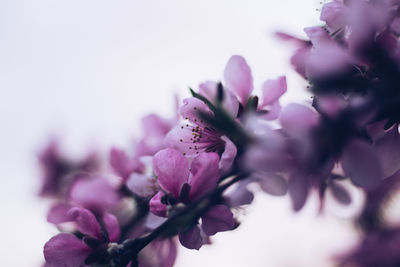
(86, 71)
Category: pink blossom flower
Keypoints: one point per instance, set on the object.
(184, 182)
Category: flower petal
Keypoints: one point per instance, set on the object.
(191, 238)
(333, 14)
(86, 192)
(142, 185)
(388, 149)
(112, 226)
(172, 170)
(361, 163)
(86, 222)
(298, 190)
(59, 213)
(297, 119)
(190, 108)
(121, 163)
(205, 174)
(217, 219)
(272, 90)
(238, 78)
(274, 184)
(65, 250)
(230, 103)
(228, 156)
(156, 207)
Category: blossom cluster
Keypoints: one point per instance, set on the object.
(171, 188)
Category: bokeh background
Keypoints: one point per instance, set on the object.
(86, 71)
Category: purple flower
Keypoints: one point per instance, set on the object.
(90, 247)
(196, 136)
(184, 182)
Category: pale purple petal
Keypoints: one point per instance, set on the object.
(238, 78)
(361, 163)
(297, 119)
(228, 156)
(388, 149)
(153, 221)
(298, 190)
(333, 13)
(122, 164)
(317, 35)
(65, 250)
(230, 103)
(159, 253)
(273, 184)
(205, 174)
(191, 238)
(86, 222)
(190, 110)
(272, 90)
(181, 138)
(218, 219)
(87, 192)
(299, 60)
(154, 125)
(240, 195)
(340, 193)
(172, 170)
(112, 226)
(156, 207)
(59, 213)
(142, 185)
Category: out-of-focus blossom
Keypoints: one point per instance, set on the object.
(59, 172)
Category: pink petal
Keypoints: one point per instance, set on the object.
(59, 213)
(333, 14)
(181, 138)
(205, 174)
(274, 184)
(238, 78)
(154, 125)
(298, 190)
(142, 185)
(156, 207)
(361, 163)
(122, 164)
(65, 250)
(217, 219)
(273, 112)
(172, 170)
(159, 253)
(272, 90)
(239, 196)
(388, 149)
(317, 35)
(86, 222)
(297, 119)
(229, 102)
(191, 238)
(112, 226)
(190, 108)
(228, 156)
(86, 192)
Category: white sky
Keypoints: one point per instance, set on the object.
(87, 70)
